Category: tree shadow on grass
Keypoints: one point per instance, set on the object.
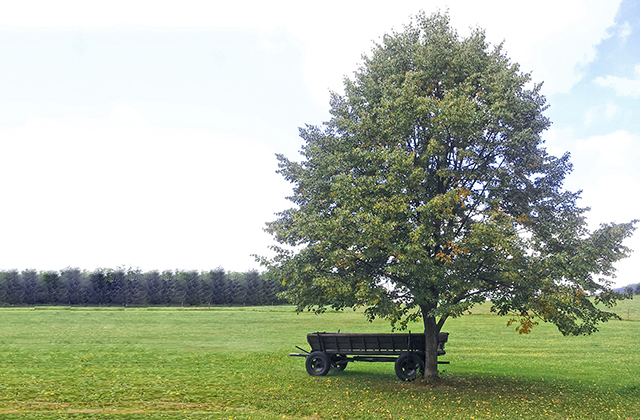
(491, 386)
(628, 391)
(496, 385)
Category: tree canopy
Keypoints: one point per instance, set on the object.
(429, 190)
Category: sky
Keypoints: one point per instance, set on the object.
(143, 134)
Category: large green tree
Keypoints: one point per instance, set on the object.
(429, 190)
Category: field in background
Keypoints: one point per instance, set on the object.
(233, 363)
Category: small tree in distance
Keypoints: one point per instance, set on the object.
(429, 191)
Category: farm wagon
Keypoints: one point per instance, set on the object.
(336, 350)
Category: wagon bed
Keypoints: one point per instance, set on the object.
(336, 350)
(371, 344)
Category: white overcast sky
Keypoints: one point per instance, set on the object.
(143, 133)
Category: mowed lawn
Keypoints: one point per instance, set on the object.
(233, 363)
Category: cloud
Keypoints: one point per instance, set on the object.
(624, 31)
(618, 149)
(568, 38)
(593, 114)
(96, 192)
(195, 199)
(558, 140)
(606, 169)
(611, 201)
(621, 85)
(568, 41)
(590, 117)
(610, 110)
(186, 13)
(334, 41)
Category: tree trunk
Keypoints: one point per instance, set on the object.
(431, 338)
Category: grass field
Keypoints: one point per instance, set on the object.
(233, 363)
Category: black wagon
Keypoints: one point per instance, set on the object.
(336, 350)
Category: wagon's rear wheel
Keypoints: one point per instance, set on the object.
(409, 366)
(317, 363)
(339, 363)
(340, 366)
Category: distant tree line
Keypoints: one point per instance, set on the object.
(629, 289)
(132, 287)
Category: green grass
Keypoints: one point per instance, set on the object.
(233, 363)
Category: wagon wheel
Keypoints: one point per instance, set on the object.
(339, 363)
(317, 363)
(409, 366)
(340, 366)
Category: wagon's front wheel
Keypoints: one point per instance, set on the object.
(409, 366)
(317, 363)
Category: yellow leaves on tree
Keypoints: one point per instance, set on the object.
(526, 323)
(450, 251)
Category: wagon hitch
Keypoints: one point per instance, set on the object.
(300, 354)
